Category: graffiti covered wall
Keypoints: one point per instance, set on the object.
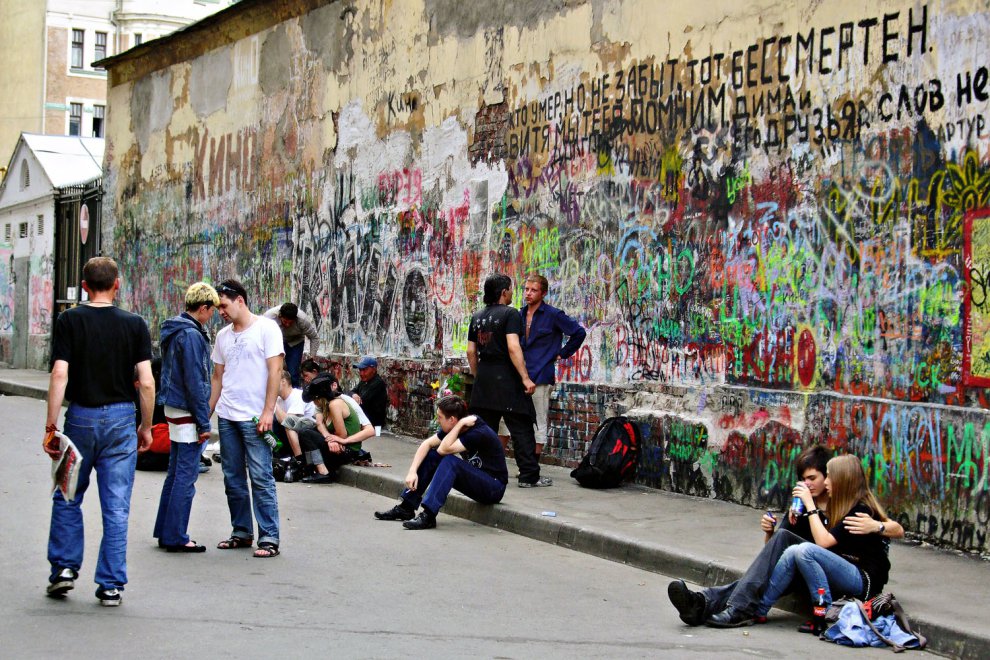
(770, 220)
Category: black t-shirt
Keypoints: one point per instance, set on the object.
(488, 329)
(101, 345)
(497, 384)
(802, 527)
(484, 450)
(867, 551)
(374, 399)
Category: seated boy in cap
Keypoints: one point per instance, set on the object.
(371, 393)
(469, 458)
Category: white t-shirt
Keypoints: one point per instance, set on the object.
(360, 412)
(245, 370)
(294, 405)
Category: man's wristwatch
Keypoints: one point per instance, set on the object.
(881, 530)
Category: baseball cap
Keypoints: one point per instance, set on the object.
(365, 362)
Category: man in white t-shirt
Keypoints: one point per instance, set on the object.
(248, 365)
(293, 415)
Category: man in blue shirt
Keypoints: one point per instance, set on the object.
(545, 328)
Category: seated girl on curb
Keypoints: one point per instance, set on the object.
(841, 562)
(327, 450)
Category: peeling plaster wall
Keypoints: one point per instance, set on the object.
(771, 219)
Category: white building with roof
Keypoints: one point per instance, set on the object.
(50, 209)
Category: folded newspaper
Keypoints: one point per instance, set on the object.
(65, 469)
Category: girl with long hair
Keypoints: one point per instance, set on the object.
(840, 561)
(326, 449)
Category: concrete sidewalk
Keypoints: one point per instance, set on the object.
(701, 540)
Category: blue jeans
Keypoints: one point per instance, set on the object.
(439, 474)
(244, 450)
(743, 595)
(107, 439)
(821, 569)
(177, 493)
(293, 358)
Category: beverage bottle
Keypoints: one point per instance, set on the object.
(270, 438)
(818, 612)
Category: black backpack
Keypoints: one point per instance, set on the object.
(612, 455)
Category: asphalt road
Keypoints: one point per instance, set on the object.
(345, 586)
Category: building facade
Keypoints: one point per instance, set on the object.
(50, 210)
(48, 49)
(769, 216)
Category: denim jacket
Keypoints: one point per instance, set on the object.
(186, 368)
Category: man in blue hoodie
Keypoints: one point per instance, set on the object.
(185, 393)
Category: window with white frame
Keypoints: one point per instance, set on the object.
(100, 50)
(78, 42)
(75, 119)
(99, 114)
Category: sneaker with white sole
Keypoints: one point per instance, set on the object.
(108, 597)
(542, 482)
(62, 584)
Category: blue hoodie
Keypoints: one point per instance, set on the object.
(186, 368)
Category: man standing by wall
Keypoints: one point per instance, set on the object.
(371, 393)
(95, 349)
(185, 394)
(546, 326)
(502, 387)
(296, 326)
(247, 361)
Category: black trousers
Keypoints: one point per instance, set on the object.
(316, 450)
(523, 439)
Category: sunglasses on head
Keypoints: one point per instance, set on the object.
(228, 291)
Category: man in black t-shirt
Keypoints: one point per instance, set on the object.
(469, 458)
(95, 349)
(502, 386)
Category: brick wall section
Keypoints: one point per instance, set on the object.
(490, 124)
(410, 388)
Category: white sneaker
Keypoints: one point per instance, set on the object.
(542, 482)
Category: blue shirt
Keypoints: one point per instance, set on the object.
(542, 348)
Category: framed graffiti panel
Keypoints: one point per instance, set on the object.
(976, 306)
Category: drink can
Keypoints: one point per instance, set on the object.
(797, 506)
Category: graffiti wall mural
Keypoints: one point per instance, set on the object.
(775, 225)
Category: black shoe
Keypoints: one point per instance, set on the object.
(397, 512)
(318, 479)
(62, 584)
(185, 548)
(690, 605)
(216, 457)
(727, 618)
(108, 597)
(425, 520)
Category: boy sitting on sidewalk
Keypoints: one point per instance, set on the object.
(469, 459)
(293, 415)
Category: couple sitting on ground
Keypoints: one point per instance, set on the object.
(323, 428)
(848, 558)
